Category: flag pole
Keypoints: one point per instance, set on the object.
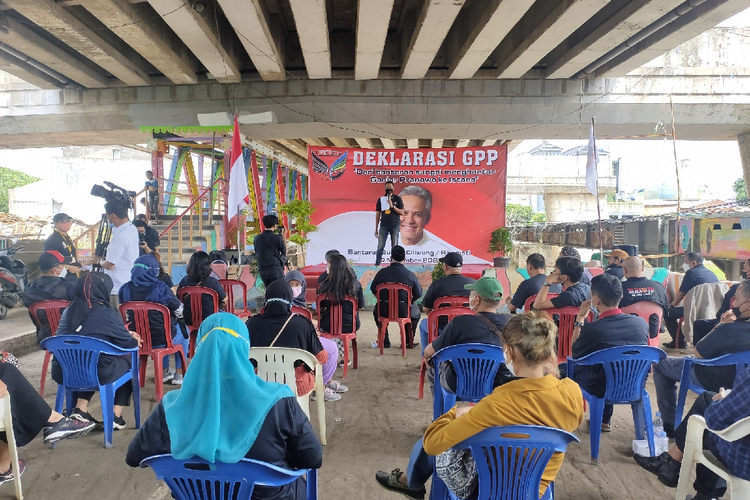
(598, 206)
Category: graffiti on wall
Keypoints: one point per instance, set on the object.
(725, 238)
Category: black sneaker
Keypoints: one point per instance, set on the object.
(119, 423)
(86, 417)
(666, 468)
(8, 476)
(66, 428)
(391, 482)
(386, 342)
(674, 345)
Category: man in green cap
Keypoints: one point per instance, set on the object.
(483, 327)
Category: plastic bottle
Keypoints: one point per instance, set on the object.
(658, 424)
(661, 443)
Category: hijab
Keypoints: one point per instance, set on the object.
(145, 274)
(92, 292)
(222, 405)
(278, 299)
(299, 300)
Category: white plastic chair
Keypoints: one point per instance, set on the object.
(694, 452)
(6, 424)
(276, 364)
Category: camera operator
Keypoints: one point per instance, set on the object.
(59, 241)
(271, 251)
(123, 248)
(148, 236)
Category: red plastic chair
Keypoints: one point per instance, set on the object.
(644, 310)
(53, 311)
(195, 295)
(451, 301)
(432, 332)
(530, 301)
(565, 329)
(295, 310)
(228, 286)
(139, 313)
(337, 325)
(393, 289)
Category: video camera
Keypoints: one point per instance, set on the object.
(114, 194)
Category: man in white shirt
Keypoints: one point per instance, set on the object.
(122, 249)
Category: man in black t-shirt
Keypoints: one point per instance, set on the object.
(451, 285)
(484, 299)
(731, 335)
(271, 251)
(536, 267)
(51, 285)
(60, 241)
(568, 272)
(615, 259)
(637, 288)
(388, 212)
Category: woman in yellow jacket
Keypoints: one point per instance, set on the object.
(536, 397)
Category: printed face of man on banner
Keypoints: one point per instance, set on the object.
(417, 206)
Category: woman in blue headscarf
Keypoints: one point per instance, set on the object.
(225, 412)
(145, 285)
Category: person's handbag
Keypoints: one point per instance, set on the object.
(457, 469)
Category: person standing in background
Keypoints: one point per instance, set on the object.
(388, 212)
(152, 186)
(59, 240)
(271, 251)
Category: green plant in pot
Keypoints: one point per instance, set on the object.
(300, 213)
(438, 272)
(501, 243)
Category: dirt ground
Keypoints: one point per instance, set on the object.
(372, 427)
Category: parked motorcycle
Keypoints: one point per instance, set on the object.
(13, 278)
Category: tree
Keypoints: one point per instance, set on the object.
(10, 179)
(521, 214)
(740, 193)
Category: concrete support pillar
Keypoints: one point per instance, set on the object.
(743, 140)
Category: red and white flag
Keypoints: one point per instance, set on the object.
(592, 176)
(239, 195)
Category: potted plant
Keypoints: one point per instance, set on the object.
(438, 272)
(299, 212)
(501, 243)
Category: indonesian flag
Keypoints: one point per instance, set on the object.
(239, 196)
(592, 160)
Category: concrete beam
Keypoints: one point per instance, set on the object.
(198, 32)
(433, 24)
(339, 142)
(311, 19)
(27, 72)
(364, 142)
(539, 32)
(496, 22)
(743, 141)
(412, 143)
(388, 143)
(462, 143)
(279, 152)
(684, 28)
(373, 18)
(314, 142)
(26, 41)
(250, 21)
(120, 17)
(293, 146)
(621, 25)
(80, 37)
(437, 143)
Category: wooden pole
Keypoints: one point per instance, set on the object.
(676, 164)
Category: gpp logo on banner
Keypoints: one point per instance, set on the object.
(329, 164)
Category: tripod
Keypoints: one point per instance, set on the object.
(102, 241)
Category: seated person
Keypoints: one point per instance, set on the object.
(638, 288)
(695, 274)
(278, 327)
(720, 410)
(220, 390)
(451, 285)
(536, 267)
(144, 285)
(614, 262)
(163, 275)
(537, 397)
(31, 414)
(148, 237)
(572, 252)
(568, 272)
(731, 335)
(198, 274)
(51, 285)
(298, 283)
(90, 315)
(396, 272)
(483, 327)
(612, 329)
(219, 266)
(324, 274)
(701, 327)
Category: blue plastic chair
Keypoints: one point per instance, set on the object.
(197, 479)
(625, 369)
(475, 365)
(511, 461)
(78, 357)
(740, 360)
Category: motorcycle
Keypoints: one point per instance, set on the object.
(13, 278)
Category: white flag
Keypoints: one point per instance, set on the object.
(239, 195)
(591, 161)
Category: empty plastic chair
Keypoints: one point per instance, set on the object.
(236, 289)
(52, 311)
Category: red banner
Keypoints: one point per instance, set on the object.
(453, 199)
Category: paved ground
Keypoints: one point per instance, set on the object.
(372, 427)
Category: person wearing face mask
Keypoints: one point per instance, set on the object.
(59, 240)
(702, 327)
(388, 212)
(51, 285)
(122, 250)
(731, 335)
(612, 329)
(695, 274)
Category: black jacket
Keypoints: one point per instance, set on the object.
(397, 273)
(271, 251)
(151, 237)
(47, 288)
(63, 244)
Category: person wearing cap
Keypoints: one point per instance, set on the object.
(59, 240)
(611, 329)
(483, 327)
(51, 285)
(148, 237)
(396, 272)
(537, 268)
(451, 285)
(614, 260)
